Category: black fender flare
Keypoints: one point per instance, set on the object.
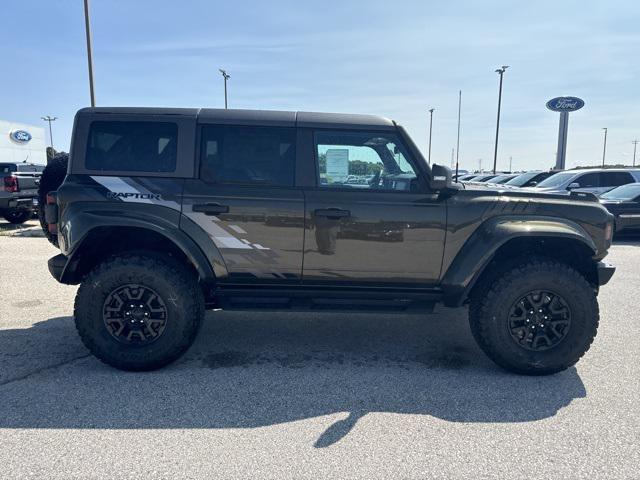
(160, 220)
(478, 251)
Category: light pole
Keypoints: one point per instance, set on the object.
(226, 77)
(87, 27)
(499, 71)
(635, 144)
(50, 119)
(458, 141)
(604, 148)
(510, 162)
(430, 129)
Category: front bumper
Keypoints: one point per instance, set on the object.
(605, 272)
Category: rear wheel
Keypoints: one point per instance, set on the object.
(537, 318)
(139, 312)
(17, 216)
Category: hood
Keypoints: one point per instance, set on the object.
(529, 193)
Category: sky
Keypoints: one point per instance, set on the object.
(395, 59)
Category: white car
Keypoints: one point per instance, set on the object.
(595, 180)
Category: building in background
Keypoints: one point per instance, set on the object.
(20, 142)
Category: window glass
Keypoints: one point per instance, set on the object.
(7, 168)
(238, 154)
(588, 180)
(363, 161)
(615, 179)
(556, 180)
(132, 146)
(625, 193)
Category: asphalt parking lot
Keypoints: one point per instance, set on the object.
(305, 396)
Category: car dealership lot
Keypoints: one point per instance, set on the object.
(309, 395)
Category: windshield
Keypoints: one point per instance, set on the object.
(556, 180)
(501, 178)
(625, 192)
(522, 179)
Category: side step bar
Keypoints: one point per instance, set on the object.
(324, 299)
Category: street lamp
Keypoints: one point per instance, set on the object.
(226, 77)
(430, 129)
(635, 144)
(87, 27)
(604, 148)
(50, 119)
(499, 71)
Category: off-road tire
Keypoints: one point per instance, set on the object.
(52, 177)
(174, 283)
(18, 216)
(490, 307)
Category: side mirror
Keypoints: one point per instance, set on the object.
(440, 177)
(573, 185)
(533, 184)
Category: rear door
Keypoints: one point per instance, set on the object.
(369, 221)
(245, 200)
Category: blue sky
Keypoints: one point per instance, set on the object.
(395, 59)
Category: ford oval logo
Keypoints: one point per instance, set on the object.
(20, 136)
(565, 104)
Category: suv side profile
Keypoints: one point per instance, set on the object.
(595, 181)
(164, 213)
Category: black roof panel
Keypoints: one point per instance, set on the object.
(259, 117)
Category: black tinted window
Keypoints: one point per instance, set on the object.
(588, 180)
(261, 155)
(615, 179)
(7, 168)
(132, 146)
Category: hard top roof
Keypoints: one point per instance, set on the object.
(258, 117)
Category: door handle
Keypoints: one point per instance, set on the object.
(211, 208)
(332, 213)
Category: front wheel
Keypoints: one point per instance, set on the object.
(17, 216)
(538, 318)
(138, 312)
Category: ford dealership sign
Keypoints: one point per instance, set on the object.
(20, 136)
(565, 104)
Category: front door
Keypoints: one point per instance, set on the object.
(245, 201)
(367, 221)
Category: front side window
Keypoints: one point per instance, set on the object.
(360, 160)
(132, 146)
(248, 155)
(589, 180)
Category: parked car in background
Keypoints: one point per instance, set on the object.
(465, 178)
(529, 179)
(19, 190)
(597, 180)
(624, 203)
(504, 178)
(485, 177)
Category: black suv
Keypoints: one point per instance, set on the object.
(164, 213)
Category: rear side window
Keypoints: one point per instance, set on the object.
(248, 155)
(132, 146)
(615, 179)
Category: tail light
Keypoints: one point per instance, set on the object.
(51, 213)
(11, 184)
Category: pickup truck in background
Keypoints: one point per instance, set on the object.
(19, 190)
